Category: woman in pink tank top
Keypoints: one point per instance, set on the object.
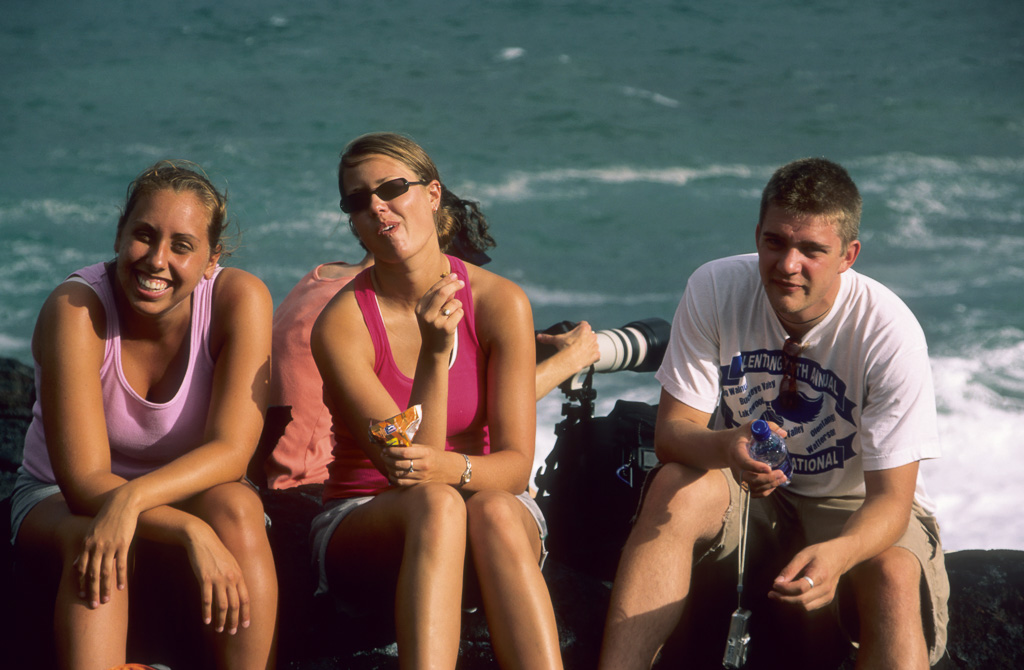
(415, 517)
(152, 374)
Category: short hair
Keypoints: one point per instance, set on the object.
(180, 176)
(815, 187)
(456, 220)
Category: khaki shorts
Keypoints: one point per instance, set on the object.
(804, 521)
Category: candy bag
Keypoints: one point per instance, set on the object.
(399, 430)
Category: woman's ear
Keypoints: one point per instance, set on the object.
(212, 265)
(434, 193)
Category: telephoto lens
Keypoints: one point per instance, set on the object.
(638, 346)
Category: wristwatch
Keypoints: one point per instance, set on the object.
(467, 474)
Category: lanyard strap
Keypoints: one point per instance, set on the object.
(745, 513)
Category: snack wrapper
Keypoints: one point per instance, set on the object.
(399, 430)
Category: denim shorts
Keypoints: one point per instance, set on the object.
(28, 492)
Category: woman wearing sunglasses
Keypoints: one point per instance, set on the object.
(151, 382)
(423, 328)
(305, 445)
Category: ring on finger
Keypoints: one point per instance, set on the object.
(446, 311)
(809, 581)
(410, 470)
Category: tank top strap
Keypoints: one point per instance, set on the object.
(98, 278)
(202, 317)
(366, 298)
(465, 296)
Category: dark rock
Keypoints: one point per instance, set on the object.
(986, 627)
(17, 393)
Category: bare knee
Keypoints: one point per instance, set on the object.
(494, 519)
(434, 511)
(894, 571)
(686, 500)
(235, 513)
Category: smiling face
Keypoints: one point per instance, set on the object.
(800, 259)
(392, 229)
(163, 250)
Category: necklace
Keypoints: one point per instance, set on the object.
(804, 323)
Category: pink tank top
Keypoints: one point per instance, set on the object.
(352, 473)
(143, 435)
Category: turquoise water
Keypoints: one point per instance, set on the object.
(615, 146)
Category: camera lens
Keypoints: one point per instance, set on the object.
(638, 346)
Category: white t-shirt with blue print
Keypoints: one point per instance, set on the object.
(866, 396)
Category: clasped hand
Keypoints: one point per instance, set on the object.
(411, 465)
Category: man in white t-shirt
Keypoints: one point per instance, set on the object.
(838, 365)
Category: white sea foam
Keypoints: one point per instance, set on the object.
(521, 186)
(13, 346)
(656, 98)
(545, 297)
(976, 482)
(56, 211)
(511, 53)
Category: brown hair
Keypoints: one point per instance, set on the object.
(815, 187)
(458, 222)
(180, 176)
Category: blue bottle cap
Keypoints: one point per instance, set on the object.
(760, 429)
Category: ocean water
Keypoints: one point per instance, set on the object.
(614, 146)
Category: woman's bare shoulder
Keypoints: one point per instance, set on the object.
(72, 317)
(498, 300)
(488, 284)
(233, 284)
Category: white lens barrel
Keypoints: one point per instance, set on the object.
(621, 349)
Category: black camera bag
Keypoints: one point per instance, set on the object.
(589, 488)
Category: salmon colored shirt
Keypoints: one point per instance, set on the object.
(303, 452)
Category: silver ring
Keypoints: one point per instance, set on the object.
(409, 472)
(809, 581)
(446, 311)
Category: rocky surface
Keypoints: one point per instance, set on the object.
(986, 605)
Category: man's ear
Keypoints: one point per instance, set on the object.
(850, 256)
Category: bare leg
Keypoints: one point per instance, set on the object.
(419, 534)
(86, 638)
(506, 550)
(683, 507)
(888, 596)
(235, 513)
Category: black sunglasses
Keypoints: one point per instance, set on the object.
(389, 190)
(789, 397)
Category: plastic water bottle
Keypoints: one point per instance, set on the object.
(769, 448)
